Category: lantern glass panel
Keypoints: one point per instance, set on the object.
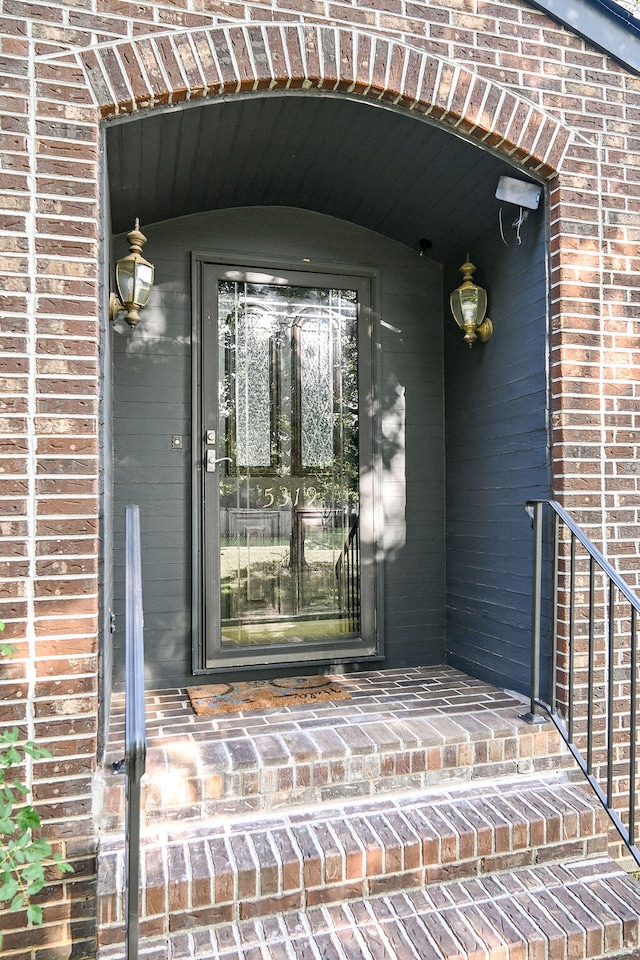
(135, 280)
(144, 283)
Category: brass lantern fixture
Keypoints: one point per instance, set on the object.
(134, 279)
(469, 306)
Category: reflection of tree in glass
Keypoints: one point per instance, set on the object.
(327, 493)
(339, 487)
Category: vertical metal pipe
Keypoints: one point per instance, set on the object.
(633, 727)
(536, 612)
(572, 629)
(590, 679)
(610, 692)
(554, 614)
(135, 734)
(132, 850)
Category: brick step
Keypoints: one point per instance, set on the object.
(579, 909)
(333, 756)
(243, 868)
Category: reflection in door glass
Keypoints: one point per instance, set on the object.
(289, 497)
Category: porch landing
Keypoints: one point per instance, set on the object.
(421, 818)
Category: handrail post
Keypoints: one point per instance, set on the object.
(536, 713)
(633, 727)
(553, 698)
(135, 732)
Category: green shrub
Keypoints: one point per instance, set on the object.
(23, 855)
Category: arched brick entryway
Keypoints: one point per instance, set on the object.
(172, 68)
(133, 77)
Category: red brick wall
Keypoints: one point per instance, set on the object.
(500, 71)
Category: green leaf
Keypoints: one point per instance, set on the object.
(38, 850)
(34, 872)
(28, 818)
(17, 903)
(34, 913)
(7, 826)
(34, 888)
(8, 794)
(13, 757)
(9, 889)
(36, 752)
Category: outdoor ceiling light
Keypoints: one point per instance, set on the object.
(134, 279)
(469, 306)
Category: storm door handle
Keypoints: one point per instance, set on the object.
(211, 462)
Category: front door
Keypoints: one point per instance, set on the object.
(286, 481)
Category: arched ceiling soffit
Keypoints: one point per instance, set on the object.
(344, 158)
(373, 167)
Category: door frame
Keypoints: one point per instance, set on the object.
(362, 650)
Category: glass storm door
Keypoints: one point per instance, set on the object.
(287, 563)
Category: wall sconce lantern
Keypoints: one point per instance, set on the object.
(134, 279)
(469, 306)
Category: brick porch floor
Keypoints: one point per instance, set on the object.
(421, 818)
(383, 695)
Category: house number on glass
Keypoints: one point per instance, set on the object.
(287, 498)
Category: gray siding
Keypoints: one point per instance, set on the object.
(152, 387)
(496, 442)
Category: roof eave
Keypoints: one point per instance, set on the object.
(602, 23)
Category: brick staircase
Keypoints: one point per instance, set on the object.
(421, 818)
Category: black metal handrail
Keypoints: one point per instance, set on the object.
(135, 727)
(347, 571)
(601, 610)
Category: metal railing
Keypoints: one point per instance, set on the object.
(347, 572)
(135, 728)
(592, 688)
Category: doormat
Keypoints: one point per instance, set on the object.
(218, 698)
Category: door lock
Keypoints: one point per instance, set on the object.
(212, 461)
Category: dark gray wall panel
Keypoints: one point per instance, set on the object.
(152, 384)
(497, 458)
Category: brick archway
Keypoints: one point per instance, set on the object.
(164, 69)
(132, 76)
